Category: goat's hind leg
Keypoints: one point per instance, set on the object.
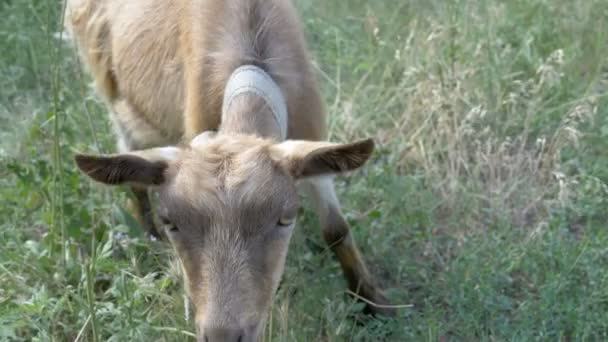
(337, 235)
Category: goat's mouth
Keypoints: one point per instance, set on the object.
(229, 334)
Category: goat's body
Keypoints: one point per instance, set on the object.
(162, 65)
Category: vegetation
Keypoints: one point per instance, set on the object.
(485, 206)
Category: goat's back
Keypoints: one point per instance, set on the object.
(137, 51)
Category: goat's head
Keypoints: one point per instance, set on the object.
(228, 203)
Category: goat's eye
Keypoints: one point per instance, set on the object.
(285, 222)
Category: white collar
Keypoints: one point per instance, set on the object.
(252, 79)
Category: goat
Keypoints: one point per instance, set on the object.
(217, 109)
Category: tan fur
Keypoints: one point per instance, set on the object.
(165, 63)
(161, 66)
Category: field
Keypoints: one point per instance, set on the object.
(485, 206)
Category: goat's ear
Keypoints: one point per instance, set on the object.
(308, 159)
(140, 168)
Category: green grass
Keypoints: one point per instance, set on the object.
(485, 205)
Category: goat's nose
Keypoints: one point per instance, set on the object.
(223, 335)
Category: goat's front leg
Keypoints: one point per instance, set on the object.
(135, 133)
(141, 209)
(337, 235)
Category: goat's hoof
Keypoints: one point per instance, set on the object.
(146, 221)
(381, 306)
(151, 231)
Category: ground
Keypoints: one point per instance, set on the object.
(484, 207)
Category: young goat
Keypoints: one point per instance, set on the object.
(170, 73)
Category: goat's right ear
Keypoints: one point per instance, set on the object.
(140, 168)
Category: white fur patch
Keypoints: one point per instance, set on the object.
(289, 147)
(168, 153)
(202, 138)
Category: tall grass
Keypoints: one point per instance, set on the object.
(484, 206)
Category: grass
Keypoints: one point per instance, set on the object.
(485, 206)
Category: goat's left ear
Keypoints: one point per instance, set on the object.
(139, 168)
(310, 158)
